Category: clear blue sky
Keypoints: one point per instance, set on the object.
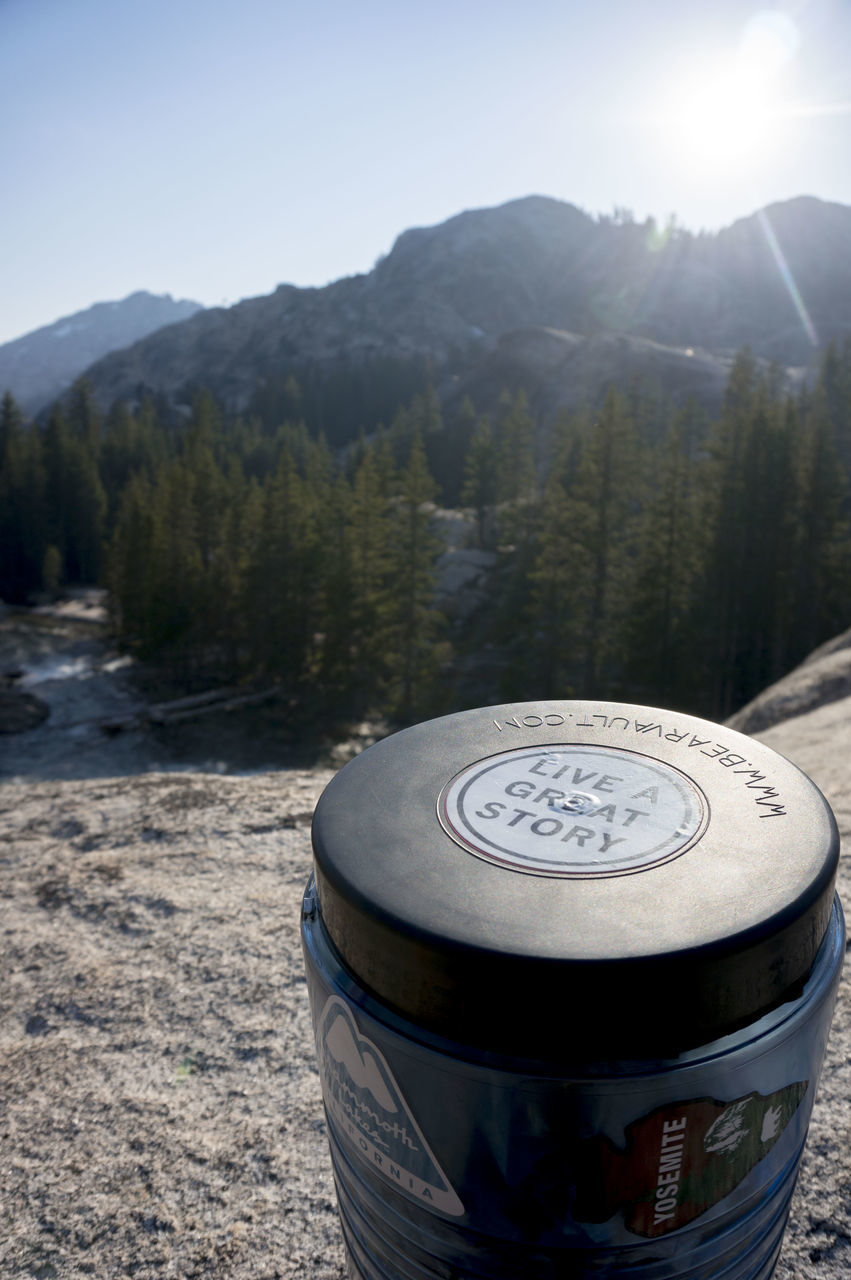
(213, 149)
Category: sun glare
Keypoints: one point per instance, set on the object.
(723, 117)
(729, 111)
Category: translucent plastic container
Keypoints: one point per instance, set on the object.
(572, 968)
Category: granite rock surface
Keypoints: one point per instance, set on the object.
(161, 1107)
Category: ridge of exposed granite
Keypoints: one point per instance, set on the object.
(163, 1113)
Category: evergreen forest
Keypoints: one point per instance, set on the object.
(638, 551)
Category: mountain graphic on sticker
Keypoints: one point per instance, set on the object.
(362, 1067)
(369, 1115)
(681, 1159)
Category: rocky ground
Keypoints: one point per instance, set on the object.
(161, 1105)
(161, 1108)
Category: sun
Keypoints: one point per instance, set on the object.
(721, 117)
(724, 117)
(728, 111)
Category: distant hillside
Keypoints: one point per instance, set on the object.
(451, 293)
(41, 365)
(560, 370)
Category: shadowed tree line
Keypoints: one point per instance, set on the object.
(680, 561)
(694, 572)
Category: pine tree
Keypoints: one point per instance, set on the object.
(176, 572)
(334, 588)
(656, 640)
(425, 417)
(22, 504)
(241, 537)
(551, 641)
(604, 502)
(87, 507)
(516, 469)
(372, 585)
(284, 590)
(75, 499)
(83, 415)
(11, 426)
(821, 575)
(834, 388)
(723, 516)
(767, 542)
(566, 443)
(414, 626)
(480, 480)
(130, 571)
(741, 603)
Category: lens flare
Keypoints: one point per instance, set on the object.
(770, 40)
(787, 277)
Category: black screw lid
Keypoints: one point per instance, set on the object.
(574, 879)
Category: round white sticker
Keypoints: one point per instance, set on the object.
(573, 811)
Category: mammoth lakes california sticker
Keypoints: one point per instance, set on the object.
(369, 1115)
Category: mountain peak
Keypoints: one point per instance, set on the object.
(42, 364)
(446, 294)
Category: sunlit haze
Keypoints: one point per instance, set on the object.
(735, 108)
(213, 149)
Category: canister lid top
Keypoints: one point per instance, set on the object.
(560, 877)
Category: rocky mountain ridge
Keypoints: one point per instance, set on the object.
(39, 366)
(779, 281)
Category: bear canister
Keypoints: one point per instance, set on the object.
(572, 967)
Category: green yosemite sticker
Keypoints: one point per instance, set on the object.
(681, 1159)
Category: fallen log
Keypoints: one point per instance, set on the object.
(188, 708)
(193, 700)
(172, 712)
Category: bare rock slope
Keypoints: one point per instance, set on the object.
(822, 678)
(534, 262)
(162, 1115)
(161, 1106)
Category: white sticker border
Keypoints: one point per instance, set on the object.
(514, 861)
(447, 1201)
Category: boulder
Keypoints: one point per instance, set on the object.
(823, 677)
